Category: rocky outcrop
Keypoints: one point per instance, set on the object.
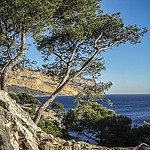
(17, 128)
(37, 83)
(18, 132)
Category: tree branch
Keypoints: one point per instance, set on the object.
(75, 67)
(89, 137)
(60, 57)
(93, 57)
(95, 43)
(92, 75)
(72, 56)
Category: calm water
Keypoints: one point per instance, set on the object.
(134, 106)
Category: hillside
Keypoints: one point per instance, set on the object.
(39, 84)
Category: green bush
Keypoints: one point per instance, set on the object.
(103, 126)
(59, 109)
(141, 134)
(15, 97)
(50, 127)
(28, 99)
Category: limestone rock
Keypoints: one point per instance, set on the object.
(35, 82)
(17, 128)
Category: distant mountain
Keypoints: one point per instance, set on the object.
(39, 84)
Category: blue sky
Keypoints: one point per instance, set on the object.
(127, 66)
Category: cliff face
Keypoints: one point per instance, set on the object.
(18, 131)
(37, 83)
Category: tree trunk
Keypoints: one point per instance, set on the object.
(11, 63)
(3, 81)
(48, 102)
(43, 107)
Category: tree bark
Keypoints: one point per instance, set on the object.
(11, 63)
(48, 102)
(3, 80)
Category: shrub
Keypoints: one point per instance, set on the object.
(15, 97)
(59, 109)
(28, 99)
(98, 123)
(50, 127)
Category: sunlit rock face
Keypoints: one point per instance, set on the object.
(17, 130)
(39, 84)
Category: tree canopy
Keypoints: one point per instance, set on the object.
(76, 39)
(103, 126)
(19, 19)
(77, 32)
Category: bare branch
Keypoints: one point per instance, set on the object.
(95, 43)
(72, 56)
(66, 78)
(111, 45)
(60, 57)
(93, 57)
(75, 67)
(8, 52)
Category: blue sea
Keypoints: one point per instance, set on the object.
(134, 106)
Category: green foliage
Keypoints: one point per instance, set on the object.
(30, 15)
(76, 40)
(141, 134)
(59, 109)
(103, 126)
(50, 127)
(15, 97)
(28, 99)
(115, 131)
(24, 98)
(84, 119)
(94, 92)
(18, 20)
(53, 127)
(31, 112)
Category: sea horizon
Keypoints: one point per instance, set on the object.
(134, 106)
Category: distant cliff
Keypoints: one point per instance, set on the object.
(39, 84)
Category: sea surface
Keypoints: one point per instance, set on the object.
(134, 106)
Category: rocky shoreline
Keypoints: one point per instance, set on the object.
(18, 131)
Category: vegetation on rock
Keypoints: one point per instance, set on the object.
(48, 126)
(91, 120)
(104, 126)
